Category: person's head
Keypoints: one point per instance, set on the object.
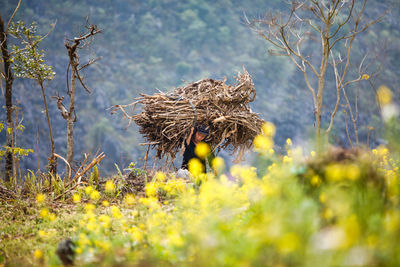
(201, 133)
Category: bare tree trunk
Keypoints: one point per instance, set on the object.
(321, 83)
(70, 115)
(71, 120)
(52, 158)
(9, 163)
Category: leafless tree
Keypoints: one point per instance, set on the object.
(334, 25)
(73, 46)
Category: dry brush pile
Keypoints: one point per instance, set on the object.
(166, 118)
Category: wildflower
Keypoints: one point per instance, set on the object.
(352, 172)
(365, 77)
(52, 217)
(109, 187)
(384, 95)
(315, 181)
(105, 203)
(202, 150)
(78, 250)
(269, 129)
(151, 189)
(83, 240)
(271, 151)
(95, 195)
(290, 242)
(136, 234)
(327, 214)
(262, 143)
(116, 213)
(160, 176)
(322, 197)
(38, 254)
(175, 238)
(287, 159)
(195, 166)
(89, 207)
(88, 190)
(334, 172)
(44, 213)
(352, 230)
(313, 153)
(42, 234)
(76, 198)
(129, 200)
(91, 226)
(105, 220)
(40, 198)
(218, 164)
(289, 142)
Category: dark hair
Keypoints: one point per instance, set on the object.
(203, 129)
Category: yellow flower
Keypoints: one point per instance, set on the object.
(195, 166)
(116, 213)
(271, 151)
(40, 198)
(95, 195)
(105, 220)
(52, 217)
(151, 189)
(44, 213)
(160, 176)
(76, 198)
(315, 181)
(262, 143)
(289, 242)
(136, 234)
(38, 254)
(42, 233)
(129, 200)
(89, 207)
(352, 172)
(365, 77)
(110, 186)
(105, 203)
(322, 197)
(287, 159)
(352, 230)
(202, 150)
(313, 153)
(175, 238)
(334, 172)
(88, 190)
(289, 142)
(218, 164)
(269, 129)
(384, 95)
(328, 214)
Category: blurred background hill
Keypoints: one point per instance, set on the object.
(158, 45)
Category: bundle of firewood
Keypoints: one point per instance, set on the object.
(166, 118)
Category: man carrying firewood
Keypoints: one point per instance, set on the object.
(195, 137)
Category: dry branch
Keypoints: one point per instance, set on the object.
(166, 118)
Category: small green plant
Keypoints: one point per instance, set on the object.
(135, 171)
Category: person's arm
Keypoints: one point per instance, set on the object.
(190, 136)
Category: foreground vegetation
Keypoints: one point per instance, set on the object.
(298, 209)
